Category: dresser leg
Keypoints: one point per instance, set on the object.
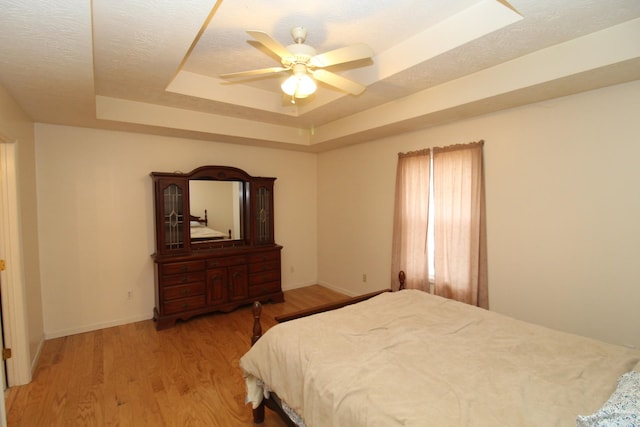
(279, 297)
(162, 322)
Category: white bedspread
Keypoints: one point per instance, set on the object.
(413, 359)
(202, 232)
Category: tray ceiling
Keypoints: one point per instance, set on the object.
(153, 66)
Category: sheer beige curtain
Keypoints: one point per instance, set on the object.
(411, 215)
(459, 224)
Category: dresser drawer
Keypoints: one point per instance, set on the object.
(264, 266)
(267, 276)
(183, 291)
(181, 267)
(263, 289)
(182, 279)
(226, 262)
(264, 257)
(184, 304)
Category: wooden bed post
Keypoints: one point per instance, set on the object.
(258, 413)
(401, 277)
(257, 328)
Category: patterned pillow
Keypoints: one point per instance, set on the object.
(622, 408)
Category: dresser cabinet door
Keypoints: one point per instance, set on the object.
(171, 216)
(217, 286)
(238, 288)
(263, 211)
(227, 284)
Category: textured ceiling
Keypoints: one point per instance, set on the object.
(152, 66)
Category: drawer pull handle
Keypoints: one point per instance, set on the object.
(184, 268)
(214, 264)
(185, 279)
(185, 292)
(185, 306)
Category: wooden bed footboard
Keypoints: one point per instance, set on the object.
(327, 307)
(257, 309)
(273, 402)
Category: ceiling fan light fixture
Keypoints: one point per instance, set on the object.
(299, 85)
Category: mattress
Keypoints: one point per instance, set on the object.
(409, 358)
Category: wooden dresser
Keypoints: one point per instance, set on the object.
(233, 261)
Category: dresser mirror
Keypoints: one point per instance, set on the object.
(216, 210)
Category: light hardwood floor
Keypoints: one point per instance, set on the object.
(133, 375)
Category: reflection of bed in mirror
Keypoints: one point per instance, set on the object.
(200, 230)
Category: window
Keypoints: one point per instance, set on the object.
(439, 223)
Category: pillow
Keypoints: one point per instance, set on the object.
(622, 408)
(196, 224)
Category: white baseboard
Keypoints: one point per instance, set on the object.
(297, 286)
(36, 357)
(337, 289)
(94, 327)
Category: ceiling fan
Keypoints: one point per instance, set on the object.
(303, 62)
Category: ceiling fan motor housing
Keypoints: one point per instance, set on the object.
(300, 54)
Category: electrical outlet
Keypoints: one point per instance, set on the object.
(364, 277)
(129, 294)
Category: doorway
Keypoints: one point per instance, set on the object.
(14, 325)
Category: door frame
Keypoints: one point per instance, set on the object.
(12, 279)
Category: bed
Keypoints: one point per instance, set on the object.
(200, 230)
(409, 358)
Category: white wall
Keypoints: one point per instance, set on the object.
(562, 182)
(95, 213)
(562, 211)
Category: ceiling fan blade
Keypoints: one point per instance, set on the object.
(340, 82)
(344, 54)
(253, 72)
(270, 43)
